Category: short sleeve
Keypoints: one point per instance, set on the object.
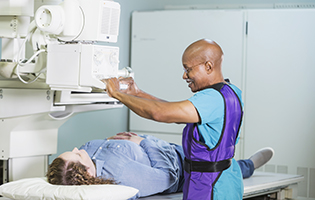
(209, 104)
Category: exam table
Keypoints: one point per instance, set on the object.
(258, 186)
(279, 186)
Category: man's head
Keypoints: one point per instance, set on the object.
(202, 61)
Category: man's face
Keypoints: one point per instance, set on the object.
(195, 74)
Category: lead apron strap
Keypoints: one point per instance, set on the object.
(209, 172)
(204, 166)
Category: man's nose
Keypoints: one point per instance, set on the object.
(185, 75)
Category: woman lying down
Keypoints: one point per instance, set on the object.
(144, 162)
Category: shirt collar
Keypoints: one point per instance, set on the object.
(99, 165)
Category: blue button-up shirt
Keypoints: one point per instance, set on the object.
(152, 167)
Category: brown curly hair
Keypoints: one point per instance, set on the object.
(61, 172)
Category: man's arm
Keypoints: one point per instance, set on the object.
(134, 90)
(152, 108)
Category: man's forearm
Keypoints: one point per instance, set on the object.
(143, 104)
(145, 95)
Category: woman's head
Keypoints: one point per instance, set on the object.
(74, 168)
(82, 157)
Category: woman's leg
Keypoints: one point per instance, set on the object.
(257, 160)
(247, 167)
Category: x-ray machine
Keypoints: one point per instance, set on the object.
(70, 47)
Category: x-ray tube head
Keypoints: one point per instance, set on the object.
(81, 20)
(65, 21)
(50, 19)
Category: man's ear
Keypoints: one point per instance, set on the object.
(209, 67)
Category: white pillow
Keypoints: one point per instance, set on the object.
(39, 188)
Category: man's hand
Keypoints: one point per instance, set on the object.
(132, 86)
(112, 86)
(127, 136)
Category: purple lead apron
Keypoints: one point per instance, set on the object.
(203, 166)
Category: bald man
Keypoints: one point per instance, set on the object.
(212, 116)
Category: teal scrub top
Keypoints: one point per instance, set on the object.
(210, 106)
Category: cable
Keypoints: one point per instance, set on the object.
(19, 62)
(30, 59)
(23, 64)
(24, 42)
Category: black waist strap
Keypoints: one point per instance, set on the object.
(204, 166)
